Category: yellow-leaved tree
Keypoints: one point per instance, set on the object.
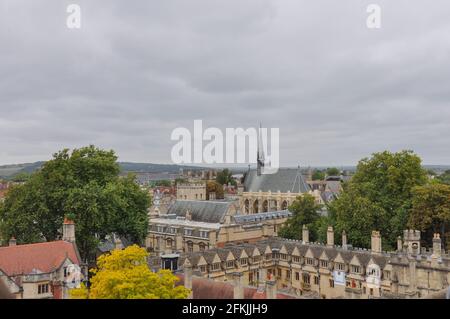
(124, 274)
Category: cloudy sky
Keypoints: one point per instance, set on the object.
(136, 70)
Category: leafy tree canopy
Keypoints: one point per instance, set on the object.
(225, 177)
(83, 185)
(318, 175)
(333, 171)
(124, 274)
(378, 197)
(304, 212)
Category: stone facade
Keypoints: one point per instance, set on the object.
(330, 271)
(191, 191)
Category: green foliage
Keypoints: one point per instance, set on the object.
(378, 197)
(224, 177)
(444, 178)
(20, 177)
(333, 171)
(430, 211)
(213, 186)
(124, 274)
(304, 212)
(318, 175)
(83, 185)
(163, 182)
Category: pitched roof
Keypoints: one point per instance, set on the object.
(285, 180)
(45, 257)
(201, 211)
(203, 288)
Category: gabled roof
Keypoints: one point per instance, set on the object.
(285, 180)
(44, 257)
(201, 211)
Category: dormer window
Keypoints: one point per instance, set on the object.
(355, 269)
(340, 266)
(283, 256)
(230, 264)
(309, 261)
(324, 263)
(244, 261)
(296, 259)
(268, 256)
(215, 267)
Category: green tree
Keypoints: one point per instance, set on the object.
(333, 171)
(304, 211)
(214, 187)
(444, 177)
(383, 184)
(85, 186)
(430, 211)
(318, 175)
(124, 274)
(224, 177)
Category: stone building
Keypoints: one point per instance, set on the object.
(273, 192)
(191, 191)
(191, 226)
(330, 271)
(42, 270)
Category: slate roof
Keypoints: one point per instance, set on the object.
(286, 179)
(250, 218)
(202, 211)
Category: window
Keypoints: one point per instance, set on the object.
(306, 278)
(279, 273)
(297, 276)
(324, 264)
(188, 232)
(355, 269)
(371, 291)
(203, 268)
(340, 266)
(215, 266)
(244, 261)
(160, 229)
(204, 234)
(169, 243)
(331, 283)
(43, 289)
(190, 246)
(283, 256)
(288, 274)
(201, 246)
(196, 196)
(316, 280)
(310, 261)
(276, 255)
(230, 263)
(387, 275)
(268, 256)
(296, 259)
(256, 259)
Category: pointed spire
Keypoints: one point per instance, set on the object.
(260, 153)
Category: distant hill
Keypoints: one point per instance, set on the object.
(8, 171)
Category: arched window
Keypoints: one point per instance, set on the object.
(190, 246)
(265, 207)
(255, 207)
(201, 246)
(169, 243)
(284, 205)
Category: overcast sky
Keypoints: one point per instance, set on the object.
(136, 70)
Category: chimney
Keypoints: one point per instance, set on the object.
(305, 234)
(188, 215)
(12, 242)
(188, 278)
(399, 244)
(271, 288)
(376, 242)
(437, 246)
(344, 239)
(330, 236)
(117, 242)
(68, 230)
(238, 292)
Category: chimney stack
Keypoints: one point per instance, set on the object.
(376, 242)
(68, 230)
(437, 246)
(344, 240)
(12, 242)
(238, 292)
(188, 278)
(330, 236)
(305, 234)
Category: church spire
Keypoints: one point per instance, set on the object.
(260, 153)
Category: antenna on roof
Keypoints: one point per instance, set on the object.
(259, 153)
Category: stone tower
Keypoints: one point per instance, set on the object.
(411, 241)
(68, 230)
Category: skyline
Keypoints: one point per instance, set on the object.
(337, 90)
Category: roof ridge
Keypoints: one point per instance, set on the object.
(35, 244)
